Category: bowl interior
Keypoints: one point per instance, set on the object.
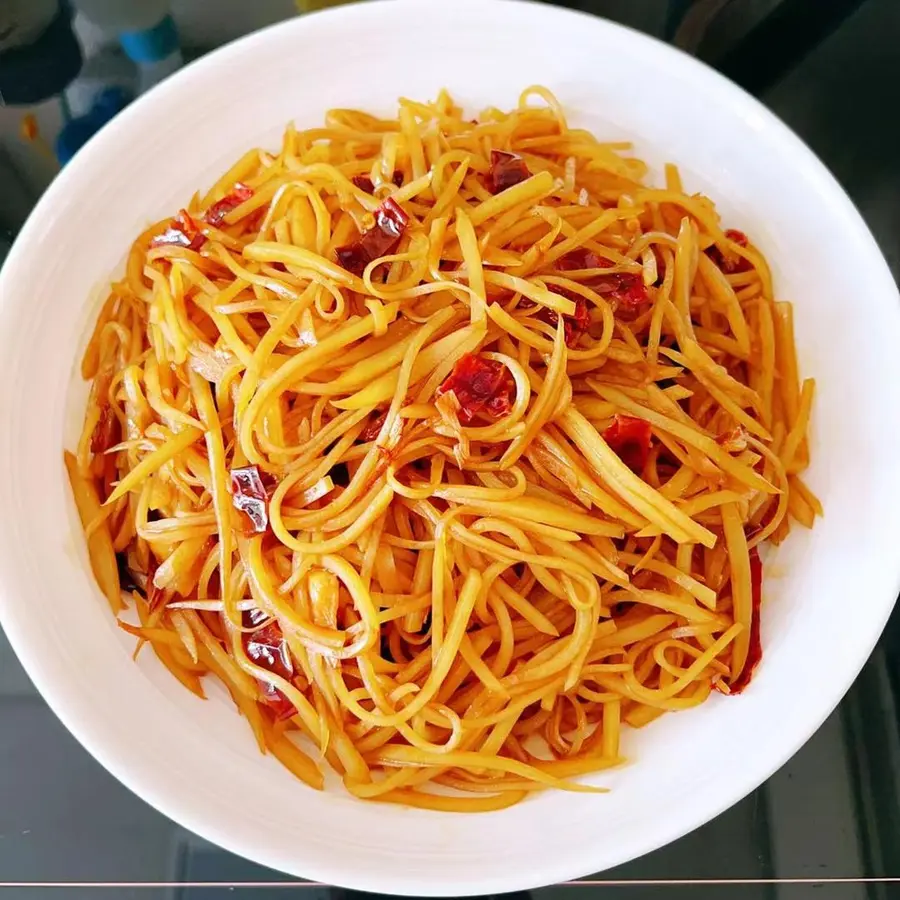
(828, 592)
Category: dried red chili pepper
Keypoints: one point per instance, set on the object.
(480, 385)
(625, 288)
(182, 232)
(390, 223)
(730, 263)
(391, 218)
(364, 182)
(507, 170)
(268, 649)
(582, 258)
(276, 701)
(754, 651)
(373, 428)
(217, 212)
(573, 326)
(629, 438)
(734, 441)
(249, 495)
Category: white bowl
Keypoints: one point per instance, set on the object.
(829, 591)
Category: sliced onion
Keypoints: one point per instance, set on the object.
(211, 605)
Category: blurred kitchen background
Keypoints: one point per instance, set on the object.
(828, 67)
(831, 70)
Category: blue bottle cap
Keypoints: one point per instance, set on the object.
(152, 44)
(78, 132)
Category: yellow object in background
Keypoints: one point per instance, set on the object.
(28, 128)
(30, 133)
(312, 5)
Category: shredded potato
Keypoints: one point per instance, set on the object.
(448, 445)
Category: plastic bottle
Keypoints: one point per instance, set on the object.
(145, 31)
(124, 15)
